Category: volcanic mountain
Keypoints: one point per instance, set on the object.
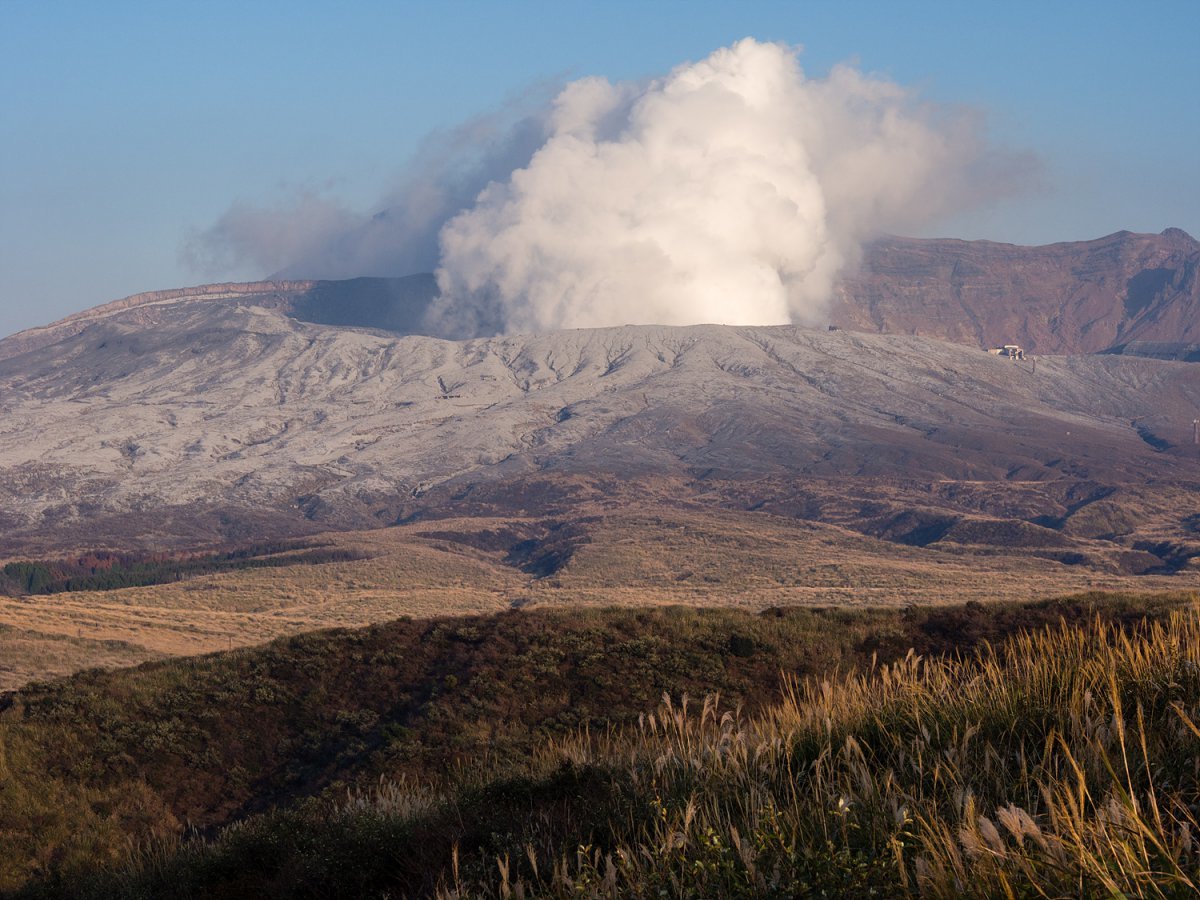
(1079, 297)
(233, 411)
(1067, 298)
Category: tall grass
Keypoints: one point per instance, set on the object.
(1065, 763)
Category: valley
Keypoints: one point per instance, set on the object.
(619, 552)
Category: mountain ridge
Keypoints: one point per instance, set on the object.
(232, 412)
(247, 409)
(1066, 297)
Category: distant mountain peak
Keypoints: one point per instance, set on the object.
(1071, 297)
(282, 408)
(1178, 234)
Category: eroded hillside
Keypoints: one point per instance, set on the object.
(229, 420)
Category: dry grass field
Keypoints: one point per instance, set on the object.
(601, 557)
(27, 654)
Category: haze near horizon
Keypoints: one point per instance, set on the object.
(148, 151)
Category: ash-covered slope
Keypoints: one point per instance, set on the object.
(1080, 297)
(390, 304)
(240, 415)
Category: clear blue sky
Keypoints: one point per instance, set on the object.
(126, 127)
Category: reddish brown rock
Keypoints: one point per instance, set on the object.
(1080, 297)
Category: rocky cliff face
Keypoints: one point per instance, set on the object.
(1079, 297)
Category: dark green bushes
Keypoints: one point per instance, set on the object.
(105, 571)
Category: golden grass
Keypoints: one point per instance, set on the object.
(27, 655)
(242, 608)
(756, 560)
(1064, 762)
(632, 557)
(1067, 765)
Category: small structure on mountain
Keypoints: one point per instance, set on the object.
(1012, 351)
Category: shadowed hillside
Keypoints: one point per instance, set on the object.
(449, 712)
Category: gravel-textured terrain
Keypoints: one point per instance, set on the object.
(245, 410)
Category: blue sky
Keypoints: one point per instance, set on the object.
(126, 128)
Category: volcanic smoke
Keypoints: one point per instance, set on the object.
(733, 190)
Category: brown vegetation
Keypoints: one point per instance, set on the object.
(637, 556)
(448, 714)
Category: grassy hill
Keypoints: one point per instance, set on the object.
(386, 760)
(373, 760)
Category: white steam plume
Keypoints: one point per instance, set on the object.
(734, 190)
(312, 235)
